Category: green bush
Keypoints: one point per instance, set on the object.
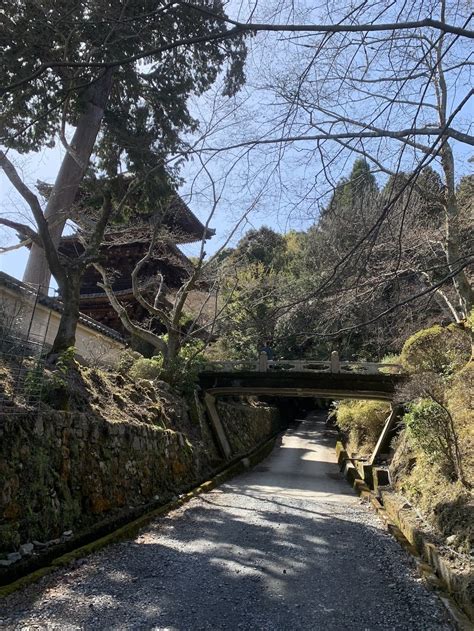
(363, 421)
(143, 368)
(460, 398)
(126, 361)
(34, 380)
(392, 360)
(470, 321)
(442, 350)
(183, 371)
(431, 430)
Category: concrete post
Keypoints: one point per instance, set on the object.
(335, 363)
(263, 362)
(384, 438)
(213, 415)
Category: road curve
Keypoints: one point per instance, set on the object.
(285, 546)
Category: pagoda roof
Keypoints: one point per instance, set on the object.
(175, 217)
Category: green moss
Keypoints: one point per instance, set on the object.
(146, 368)
(470, 321)
(9, 537)
(438, 349)
(460, 398)
(363, 421)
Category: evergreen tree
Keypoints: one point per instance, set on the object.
(120, 74)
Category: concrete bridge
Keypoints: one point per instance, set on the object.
(316, 379)
(331, 379)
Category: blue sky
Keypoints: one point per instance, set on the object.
(282, 184)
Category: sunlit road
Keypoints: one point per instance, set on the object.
(285, 546)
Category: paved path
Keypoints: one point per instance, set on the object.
(285, 546)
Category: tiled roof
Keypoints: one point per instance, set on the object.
(56, 305)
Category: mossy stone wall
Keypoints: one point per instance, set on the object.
(246, 426)
(64, 472)
(71, 471)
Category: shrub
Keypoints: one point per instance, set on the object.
(34, 381)
(390, 360)
(126, 361)
(183, 371)
(448, 506)
(431, 429)
(470, 321)
(363, 421)
(143, 368)
(442, 350)
(460, 402)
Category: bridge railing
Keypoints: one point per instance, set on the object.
(334, 365)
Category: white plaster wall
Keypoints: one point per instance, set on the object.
(92, 346)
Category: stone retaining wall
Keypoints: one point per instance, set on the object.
(248, 425)
(70, 471)
(66, 471)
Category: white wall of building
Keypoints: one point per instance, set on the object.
(39, 323)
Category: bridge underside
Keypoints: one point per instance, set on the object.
(300, 384)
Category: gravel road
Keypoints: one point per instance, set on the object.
(285, 546)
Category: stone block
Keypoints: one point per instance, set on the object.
(13, 557)
(26, 549)
(381, 478)
(40, 545)
(6, 562)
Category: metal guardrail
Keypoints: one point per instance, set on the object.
(334, 365)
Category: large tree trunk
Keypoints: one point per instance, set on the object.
(69, 178)
(461, 283)
(464, 291)
(70, 295)
(172, 347)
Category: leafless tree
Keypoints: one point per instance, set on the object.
(67, 271)
(385, 81)
(168, 307)
(384, 84)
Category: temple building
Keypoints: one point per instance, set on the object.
(127, 243)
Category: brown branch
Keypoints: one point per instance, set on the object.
(16, 246)
(241, 29)
(402, 303)
(43, 229)
(95, 239)
(120, 310)
(152, 309)
(396, 135)
(22, 229)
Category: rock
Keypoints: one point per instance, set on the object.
(39, 427)
(67, 534)
(13, 557)
(26, 549)
(5, 562)
(40, 544)
(451, 540)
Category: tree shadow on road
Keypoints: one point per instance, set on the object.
(232, 560)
